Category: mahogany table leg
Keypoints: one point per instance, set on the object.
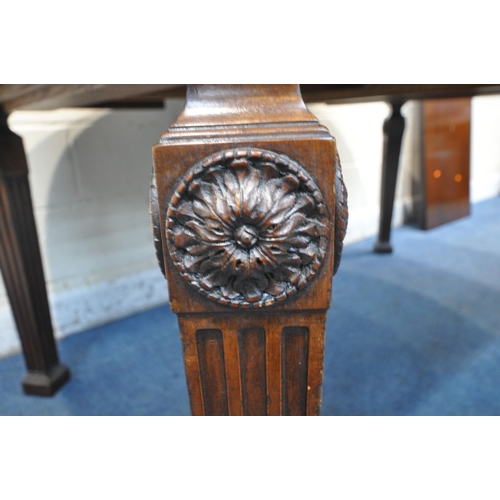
(22, 270)
(394, 127)
(249, 213)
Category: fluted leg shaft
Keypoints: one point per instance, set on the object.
(21, 266)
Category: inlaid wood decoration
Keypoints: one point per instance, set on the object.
(249, 213)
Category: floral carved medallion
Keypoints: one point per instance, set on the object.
(247, 228)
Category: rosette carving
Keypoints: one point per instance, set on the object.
(341, 214)
(155, 223)
(247, 228)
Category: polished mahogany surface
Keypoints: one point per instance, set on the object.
(53, 96)
(446, 160)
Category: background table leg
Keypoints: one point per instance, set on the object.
(394, 127)
(22, 270)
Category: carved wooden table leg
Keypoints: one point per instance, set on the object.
(22, 269)
(249, 212)
(394, 127)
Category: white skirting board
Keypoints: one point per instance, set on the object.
(82, 308)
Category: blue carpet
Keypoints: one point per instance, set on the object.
(412, 333)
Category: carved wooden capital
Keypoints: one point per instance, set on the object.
(247, 228)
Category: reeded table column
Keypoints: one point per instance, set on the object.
(22, 270)
(249, 213)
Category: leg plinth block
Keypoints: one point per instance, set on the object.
(46, 384)
(382, 247)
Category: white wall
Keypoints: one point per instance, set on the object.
(90, 172)
(485, 148)
(90, 175)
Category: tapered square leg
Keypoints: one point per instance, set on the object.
(249, 212)
(22, 270)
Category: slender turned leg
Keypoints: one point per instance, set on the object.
(249, 213)
(22, 269)
(394, 127)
